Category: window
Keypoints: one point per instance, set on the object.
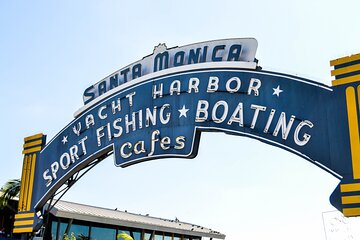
(62, 230)
(99, 233)
(122, 231)
(136, 235)
(147, 236)
(79, 231)
(54, 226)
(158, 236)
(168, 236)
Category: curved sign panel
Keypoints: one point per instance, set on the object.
(162, 114)
(163, 117)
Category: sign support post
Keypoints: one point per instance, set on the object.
(24, 220)
(347, 79)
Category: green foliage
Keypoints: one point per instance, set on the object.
(82, 237)
(124, 236)
(10, 189)
(66, 237)
(72, 237)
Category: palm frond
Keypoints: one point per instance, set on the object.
(10, 190)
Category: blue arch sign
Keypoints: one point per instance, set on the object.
(158, 107)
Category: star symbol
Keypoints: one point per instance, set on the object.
(183, 111)
(64, 140)
(277, 91)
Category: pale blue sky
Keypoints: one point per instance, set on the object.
(50, 51)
